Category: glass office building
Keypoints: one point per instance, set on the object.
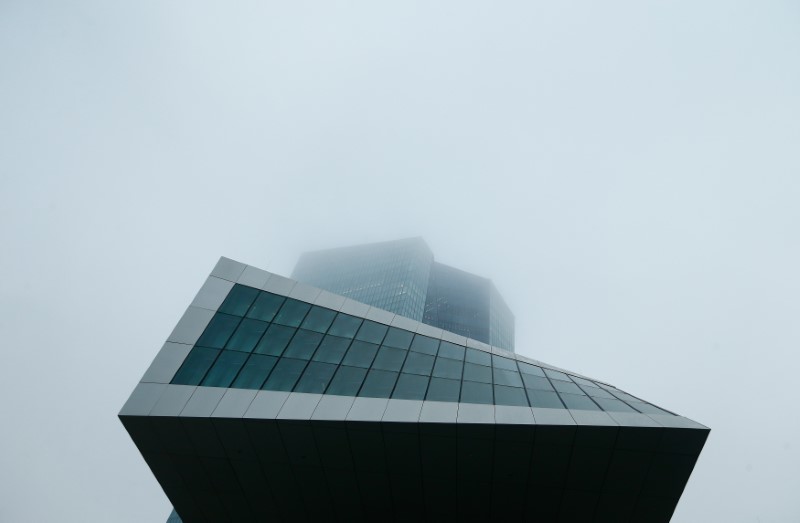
(402, 277)
(273, 400)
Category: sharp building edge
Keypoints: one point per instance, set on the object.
(274, 400)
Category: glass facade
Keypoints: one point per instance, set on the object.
(402, 277)
(259, 340)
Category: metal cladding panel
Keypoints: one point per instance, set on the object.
(236, 429)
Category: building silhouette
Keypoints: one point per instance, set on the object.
(402, 277)
(274, 400)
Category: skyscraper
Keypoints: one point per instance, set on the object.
(273, 400)
(402, 277)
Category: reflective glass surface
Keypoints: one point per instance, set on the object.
(261, 340)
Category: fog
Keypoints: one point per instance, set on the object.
(627, 173)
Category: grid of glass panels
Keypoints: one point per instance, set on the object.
(259, 340)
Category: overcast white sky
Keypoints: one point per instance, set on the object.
(628, 173)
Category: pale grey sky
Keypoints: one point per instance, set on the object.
(628, 173)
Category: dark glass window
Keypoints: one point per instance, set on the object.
(583, 382)
(507, 377)
(555, 375)
(503, 363)
(473, 372)
(510, 396)
(238, 300)
(573, 401)
(479, 357)
(613, 405)
(254, 372)
(533, 370)
(218, 331)
(316, 377)
(224, 369)
(443, 389)
(472, 392)
(292, 313)
(389, 359)
(545, 399)
(371, 332)
(449, 350)
(570, 388)
(275, 340)
(647, 408)
(318, 319)
(360, 354)
(345, 326)
(446, 368)
(332, 349)
(425, 345)
(247, 335)
(410, 387)
(417, 363)
(598, 393)
(303, 344)
(347, 381)
(398, 338)
(285, 374)
(379, 384)
(265, 307)
(195, 366)
(535, 382)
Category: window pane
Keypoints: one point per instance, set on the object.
(598, 393)
(372, 332)
(545, 399)
(647, 408)
(425, 345)
(507, 377)
(316, 377)
(535, 382)
(254, 372)
(360, 354)
(347, 381)
(411, 387)
(510, 396)
(472, 392)
(318, 319)
(479, 373)
(452, 351)
(265, 306)
(389, 359)
(292, 313)
(225, 369)
(218, 331)
(398, 338)
(555, 375)
(417, 363)
(379, 384)
(570, 388)
(238, 300)
(443, 389)
(613, 405)
(533, 370)
(583, 382)
(573, 401)
(503, 363)
(247, 335)
(285, 374)
(345, 326)
(303, 344)
(332, 349)
(275, 340)
(446, 368)
(195, 366)
(479, 357)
